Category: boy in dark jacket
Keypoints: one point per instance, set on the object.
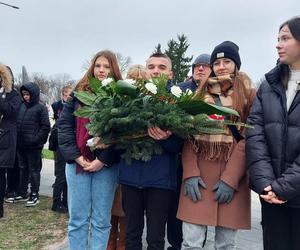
(149, 186)
(33, 128)
(60, 185)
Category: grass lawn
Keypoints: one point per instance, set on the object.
(31, 227)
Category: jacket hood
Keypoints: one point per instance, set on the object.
(7, 78)
(34, 91)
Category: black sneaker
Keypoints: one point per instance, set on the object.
(10, 198)
(33, 200)
(21, 198)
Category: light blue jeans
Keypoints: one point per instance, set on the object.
(90, 198)
(195, 235)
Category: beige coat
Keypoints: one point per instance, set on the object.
(207, 211)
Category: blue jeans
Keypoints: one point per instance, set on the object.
(90, 198)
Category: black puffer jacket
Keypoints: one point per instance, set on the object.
(33, 120)
(10, 102)
(273, 146)
(66, 125)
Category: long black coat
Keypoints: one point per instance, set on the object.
(33, 120)
(273, 146)
(10, 102)
(9, 107)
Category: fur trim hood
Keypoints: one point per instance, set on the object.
(7, 78)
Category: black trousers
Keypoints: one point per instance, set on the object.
(2, 189)
(281, 227)
(60, 184)
(30, 163)
(174, 225)
(13, 177)
(2, 183)
(155, 203)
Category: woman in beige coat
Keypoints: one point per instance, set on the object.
(215, 191)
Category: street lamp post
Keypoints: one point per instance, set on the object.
(12, 6)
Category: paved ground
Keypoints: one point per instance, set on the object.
(246, 239)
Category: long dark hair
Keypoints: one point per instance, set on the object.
(294, 27)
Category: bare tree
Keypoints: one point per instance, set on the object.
(56, 83)
(42, 81)
(124, 62)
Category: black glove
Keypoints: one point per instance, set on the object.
(191, 188)
(224, 193)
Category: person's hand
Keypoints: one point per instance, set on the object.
(94, 166)
(224, 193)
(191, 188)
(158, 134)
(270, 197)
(82, 162)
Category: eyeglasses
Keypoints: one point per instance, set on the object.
(203, 65)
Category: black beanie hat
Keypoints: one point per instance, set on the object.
(226, 49)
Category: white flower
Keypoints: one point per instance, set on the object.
(107, 81)
(90, 142)
(189, 92)
(175, 90)
(130, 81)
(151, 87)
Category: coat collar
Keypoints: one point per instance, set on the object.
(273, 78)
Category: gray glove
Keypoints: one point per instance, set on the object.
(224, 193)
(191, 188)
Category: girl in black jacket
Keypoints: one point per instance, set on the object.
(91, 178)
(273, 146)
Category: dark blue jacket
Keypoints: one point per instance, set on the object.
(159, 172)
(191, 84)
(57, 107)
(273, 146)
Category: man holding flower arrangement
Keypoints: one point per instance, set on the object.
(148, 186)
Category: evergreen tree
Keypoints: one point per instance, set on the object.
(157, 49)
(177, 52)
(180, 62)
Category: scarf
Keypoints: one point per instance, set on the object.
(219, 146)
(82, 136)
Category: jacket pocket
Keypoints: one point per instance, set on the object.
(4, 138)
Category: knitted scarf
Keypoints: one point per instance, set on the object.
(219, 146)
(82, 136)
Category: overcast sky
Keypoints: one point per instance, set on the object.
(58, 36)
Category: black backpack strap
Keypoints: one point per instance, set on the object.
(233, 129)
